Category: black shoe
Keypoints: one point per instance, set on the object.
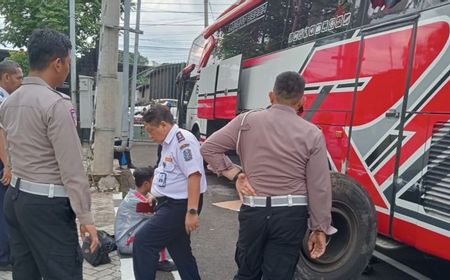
(7, 267)
(166, 266)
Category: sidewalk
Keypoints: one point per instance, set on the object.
(103, 209)
(143, 154)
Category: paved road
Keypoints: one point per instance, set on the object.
(214, 243)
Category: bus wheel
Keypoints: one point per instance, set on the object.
(350, 249)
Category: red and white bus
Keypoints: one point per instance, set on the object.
(377, 75)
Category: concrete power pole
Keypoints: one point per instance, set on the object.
(135, 66)
(206, 12)
(126, 74)
(73, 66)
(107, 89)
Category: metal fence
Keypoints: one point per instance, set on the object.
(160, 83)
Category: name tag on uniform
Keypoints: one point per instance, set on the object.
(162, 179)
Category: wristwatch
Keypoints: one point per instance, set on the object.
(193, 211)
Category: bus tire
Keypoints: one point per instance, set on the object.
(350, 249)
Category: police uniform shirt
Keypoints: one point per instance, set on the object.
(282, 154)
(180, 157)
(43, 144)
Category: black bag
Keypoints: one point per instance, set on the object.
(106, 244)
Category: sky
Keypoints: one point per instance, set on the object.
(169, 27)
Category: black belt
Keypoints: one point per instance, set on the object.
(163, 199)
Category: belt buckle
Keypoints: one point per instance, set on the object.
(252, 201)
(289, 199)
(51, 191)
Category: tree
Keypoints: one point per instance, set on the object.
(141, 61)
(21, 57)
(23, 16)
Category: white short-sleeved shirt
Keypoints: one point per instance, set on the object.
(3, 95)
(180, 157)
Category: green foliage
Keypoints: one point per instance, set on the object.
(141, 61)
(23, 16)
(20, 57)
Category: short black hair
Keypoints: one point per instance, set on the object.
(142, 174)
(45, 45)
(289, 86)
(8, 66)
(156, 114)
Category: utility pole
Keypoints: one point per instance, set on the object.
(73, 65)
(205, 8)
(126, 74)
(135, 66)
(107, 88)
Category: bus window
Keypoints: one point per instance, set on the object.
(430, 3)
(380, 10)
(255, 33)
(309, 20)
(196, 51)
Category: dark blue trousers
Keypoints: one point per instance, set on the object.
(270, 239)
(4, 240)
(165, 229)
(43, 237)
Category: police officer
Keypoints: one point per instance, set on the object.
(284, 169)
(49, 186)
(178, 185)
(10, 79)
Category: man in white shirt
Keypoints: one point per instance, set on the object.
(178, 184)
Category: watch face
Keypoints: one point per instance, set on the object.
(193, 211)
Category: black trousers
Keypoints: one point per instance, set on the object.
(43, 237)
(4, 239)
(165, 229)
(269, 242)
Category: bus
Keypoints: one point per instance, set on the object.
(377, 85)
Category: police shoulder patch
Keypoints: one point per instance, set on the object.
(187, 154)
(180, 136)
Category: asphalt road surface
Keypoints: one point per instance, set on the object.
(214, 242)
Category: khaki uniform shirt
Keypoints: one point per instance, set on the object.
(43, 143)
(281, 154)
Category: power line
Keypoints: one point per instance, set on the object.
(171, 12)
(188, 4)
(169, 24)
(163, 48)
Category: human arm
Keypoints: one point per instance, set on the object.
(192, 221)
(214, 148)
(318, 183)
(67, 148)
(6, 178)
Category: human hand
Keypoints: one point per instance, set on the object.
(6, 178)
(151, 200)
(243, 186)
(317, 244)
(92, 233)
(192, 222)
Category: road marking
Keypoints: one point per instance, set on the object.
(400, 266)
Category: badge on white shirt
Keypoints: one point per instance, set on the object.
(162, 179)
